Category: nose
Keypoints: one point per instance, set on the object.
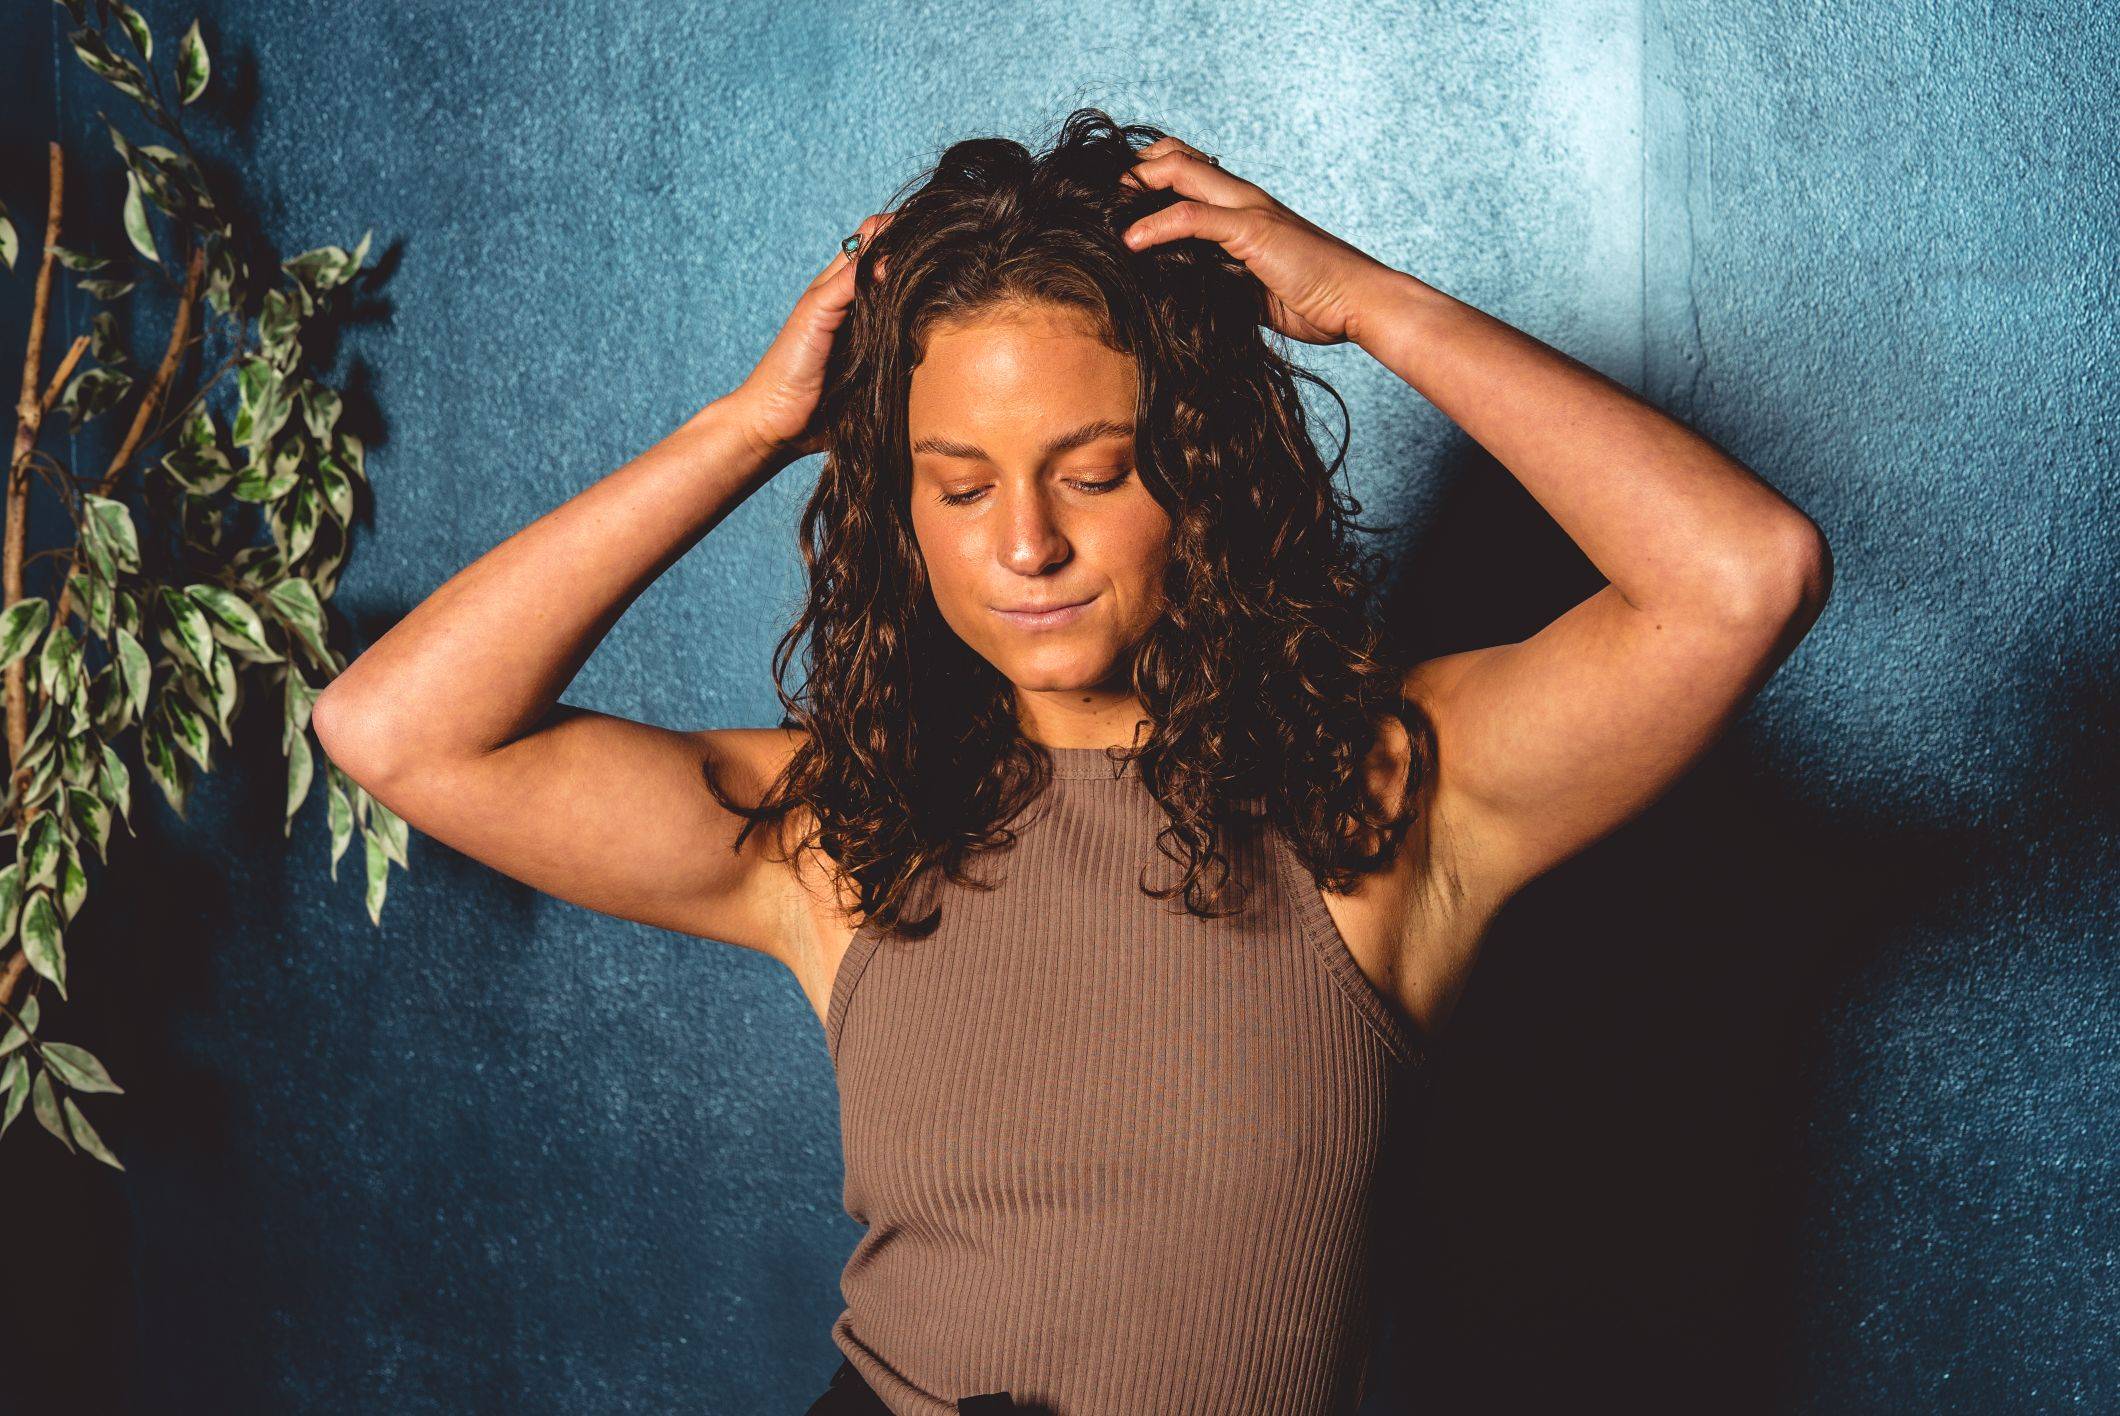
(1032, 540)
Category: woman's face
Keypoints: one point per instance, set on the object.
(1025, 496)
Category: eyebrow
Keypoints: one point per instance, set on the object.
(1087, 433)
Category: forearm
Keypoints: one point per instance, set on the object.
(482, 659)
(1674, 523)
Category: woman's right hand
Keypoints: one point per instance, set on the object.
(782, 397)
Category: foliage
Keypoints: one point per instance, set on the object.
(160, 624)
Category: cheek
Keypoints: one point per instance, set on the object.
(949, 562)
(1143, 549)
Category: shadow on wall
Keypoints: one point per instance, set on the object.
(1603, 1195)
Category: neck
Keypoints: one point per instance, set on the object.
(1078, 718)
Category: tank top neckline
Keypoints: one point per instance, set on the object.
(1091, 762)
(1404, 1042)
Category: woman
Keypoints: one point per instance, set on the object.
(1119, 1034)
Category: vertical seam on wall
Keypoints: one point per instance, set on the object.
(1641, 192)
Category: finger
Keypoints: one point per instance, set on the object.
(1182, 171)
(841, 262)
(1179, 220)
(869, 231)
(1168, 143)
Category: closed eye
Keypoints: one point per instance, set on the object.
(1093, 488)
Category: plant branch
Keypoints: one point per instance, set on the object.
(60, 375)
(176, 418)
(172, 359)
(29, 421)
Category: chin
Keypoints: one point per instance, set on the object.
(1057, 669)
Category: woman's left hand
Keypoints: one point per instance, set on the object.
(1317, 284)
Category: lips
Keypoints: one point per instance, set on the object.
(1048, 618)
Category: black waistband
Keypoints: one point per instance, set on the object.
(851, 1395)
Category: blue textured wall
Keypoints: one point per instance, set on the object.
(1799, 1094)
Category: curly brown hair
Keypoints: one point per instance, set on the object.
(1264, 683)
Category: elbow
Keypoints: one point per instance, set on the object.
(351, 734)
(1786, 583)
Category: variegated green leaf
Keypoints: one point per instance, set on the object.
(118, 72)
(21, 625)
(18, 1031)
(42, 778)
(378, 877)
(304, 510)
(117, 783)
(135, 29)
(187, 729)
(42, 939)
(279, 320)
(267, 478)
(135, 217)
(323, 565)
(78, 762)
(113, 527)
(327, 266)
(301, 771)
(197, 460)
(46, 1105)
(351, 452)
(108, 691)
(78, 1068)
(231, 618)
(73, 888)
(55, 664)
(298, 701)
(263, 403)
(389, 828)
(106, 289)
(92, 814)
(138, 671)
(92, 597)
(321, 407)
(77, 260)
(192, 65)
(340, 813)
(37, 733)
(338, 487)
(14, 1080)
(86, 1134)
(189, 623)
(105, 344)
(79, 720)
(93, 392)
(295, 599)
(164, 768)
(39, 852)
(227, 693)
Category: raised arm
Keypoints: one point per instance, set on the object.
(1546, 745)
(452, 719)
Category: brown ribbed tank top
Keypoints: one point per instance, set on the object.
(1113, 1158)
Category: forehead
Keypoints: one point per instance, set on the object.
(1017, 368)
